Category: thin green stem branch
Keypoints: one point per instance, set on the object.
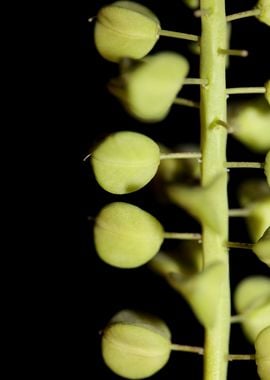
(245, 14)
(182, 36)
(182, 235)
(180, 155)
(193, 349)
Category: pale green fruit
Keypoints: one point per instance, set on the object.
(267, 167)
(193, 4)
(262, 247)
(148, 90)
(259, 218)
(125, 162)
(262, 346)
(252, 190)
(202, 291)
(125, 29)
(198, 201)
(136, 345)
(267, 91)
(126, 236)
(252, 301)
(254, 195)
(264, 6)
(187, 260)
(250, 122)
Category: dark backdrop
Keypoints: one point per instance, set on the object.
(101, 290)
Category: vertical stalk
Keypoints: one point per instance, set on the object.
(213, 147)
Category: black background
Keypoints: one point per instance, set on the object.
(100, 290)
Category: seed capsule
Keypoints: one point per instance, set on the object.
(264, 16)
(136, 345)
(262, 247)
(262, 346)
(126, 236)
(125, 162)
(252, 300)
(267, 167)
(250, 122)
(201, 291)
(125, 29)
(267, 91)
(148, 89)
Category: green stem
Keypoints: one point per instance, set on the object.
(181, 36)
(193, 349)
(182, 235)
(213, 147)
(249, 13)
(180, 155)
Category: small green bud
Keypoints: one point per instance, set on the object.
(262, 247)
(250, 122)
(126, 236)
(136, 345)
(125, 162)
(199, 200)
(262, 347)
(252, 301)
(264, 6)
(267, 167)
(267, 91)
(125, 29)
(148, 90)
(202, 291)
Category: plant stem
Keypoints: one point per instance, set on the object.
(186, 102)
(244, 165)
(180, 155)
(239, 212)
(182, 235)
(249, 13)
(193, 349)
(213, 147)
(182, 36)
(245, 90)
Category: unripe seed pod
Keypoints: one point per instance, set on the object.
(148, 90)
(125, 162)
(264, 6)
(254, 195)
(136, 345)
(193, 4)
(267, 167)
(267, 91)
(125, 29)
(262, 247)
(252, 300)
(259, 218)
(126, 236)
(250, 122)
(198, 201)
(262, 346)
(202, 291)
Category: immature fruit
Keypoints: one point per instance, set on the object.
(201, 291)
(264, 6)
(267, 91)
(252, 300)
(148, 89)
(136, 345)
(254, 195)
(125, 162)
(267, 167)
(262, 346)
(125, 29)
(126, 236)
(262, 247)
(250, 122)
